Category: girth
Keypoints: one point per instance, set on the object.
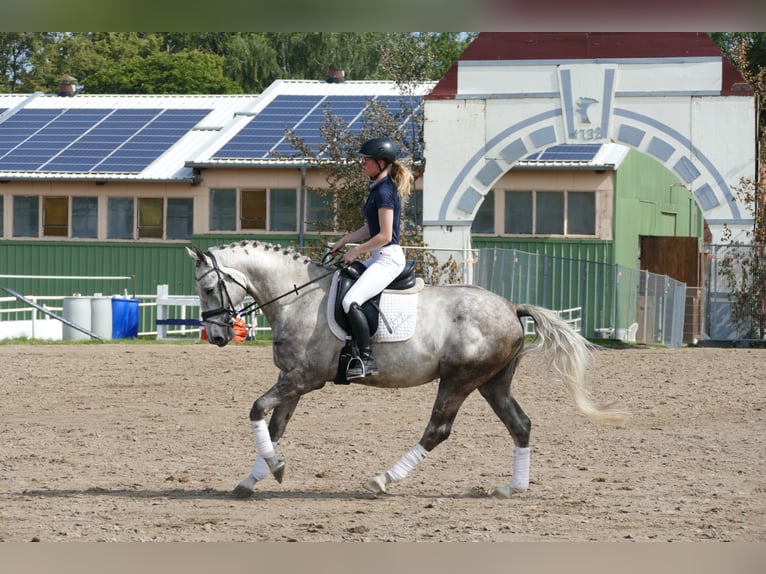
(371, 308)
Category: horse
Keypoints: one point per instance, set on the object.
(466, 337)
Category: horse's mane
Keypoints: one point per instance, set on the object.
(255, 244)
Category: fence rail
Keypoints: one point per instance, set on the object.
(616, 302)
(179, 313)
(718, 305)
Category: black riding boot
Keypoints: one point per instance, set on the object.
(364, 365)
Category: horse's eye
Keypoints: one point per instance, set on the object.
(209, 290)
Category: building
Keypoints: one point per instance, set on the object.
(97, 185)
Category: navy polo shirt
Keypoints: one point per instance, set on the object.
(383, 194)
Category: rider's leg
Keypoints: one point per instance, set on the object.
(365, 365)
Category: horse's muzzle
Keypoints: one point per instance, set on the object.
(219, 334)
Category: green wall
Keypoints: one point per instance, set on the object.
(150, 264)
(650, 200)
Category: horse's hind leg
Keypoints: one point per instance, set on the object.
(497, 392)
(449, 399)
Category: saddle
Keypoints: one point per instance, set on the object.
(371, 308)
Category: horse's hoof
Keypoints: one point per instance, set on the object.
(278, 470)
(245, 489)
(377, 485)
(505, 492)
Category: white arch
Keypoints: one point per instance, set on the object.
(671, 109)
(653, 138)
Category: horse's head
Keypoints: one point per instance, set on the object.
(221, 291)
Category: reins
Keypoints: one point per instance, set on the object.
(296, 288)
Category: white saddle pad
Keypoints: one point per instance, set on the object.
(398, 307)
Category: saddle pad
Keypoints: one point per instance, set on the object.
(398, 307)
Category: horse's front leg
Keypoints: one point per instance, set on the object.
(261, 468)
(282, 398)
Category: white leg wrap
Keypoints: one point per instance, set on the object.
(520, 478)
(407, 463)
(263, 442)
(261, 468)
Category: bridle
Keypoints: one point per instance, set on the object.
(223, 294)
(228, 308)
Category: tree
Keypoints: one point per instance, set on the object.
(185, 72)
(744, 265)
(409, 60)
(17, 53)
(111, 61)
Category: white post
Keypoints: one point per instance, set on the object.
(162, 311)
(34, 317)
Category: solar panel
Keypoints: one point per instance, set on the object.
(264, 136)
(91, 140)
(566, 152)
(21, 126)
(151, 140)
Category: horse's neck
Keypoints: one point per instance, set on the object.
(271, 272)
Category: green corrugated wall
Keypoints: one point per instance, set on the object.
(151, 264)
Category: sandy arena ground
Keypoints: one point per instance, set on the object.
(145, 442)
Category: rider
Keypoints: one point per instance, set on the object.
(390, 185)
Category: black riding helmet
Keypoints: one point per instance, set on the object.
(379, 149)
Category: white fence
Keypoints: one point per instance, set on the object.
(161, 315)
(571, 316)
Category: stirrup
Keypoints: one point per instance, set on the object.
(353, 372)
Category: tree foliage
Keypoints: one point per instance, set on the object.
(213, 62)
(744, 263)
(409, 60)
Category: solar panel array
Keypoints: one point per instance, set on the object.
(91, 140)
(566, 152)
(264, 136)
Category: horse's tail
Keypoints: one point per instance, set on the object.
(570, 354)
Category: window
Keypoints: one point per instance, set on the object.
(119, 213)
(320, 215)
(282, 210)
(150, 218)
(253, 209)
(518, 212)
(2, 214)
(56, 216)
(180, 218)
(85, 217)
(550, 212)
(258, 210)
(223, 210)
(581, 213)
(484, 221)
(26, 215)
(413, 211)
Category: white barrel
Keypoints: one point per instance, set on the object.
(77, 311)
(101, 316)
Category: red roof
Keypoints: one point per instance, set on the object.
(591, 46)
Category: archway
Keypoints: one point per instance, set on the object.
(673, 97)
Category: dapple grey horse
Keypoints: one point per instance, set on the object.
(465, 337)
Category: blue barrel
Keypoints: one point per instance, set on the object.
(124, 318)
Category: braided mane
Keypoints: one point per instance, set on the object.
(286, 251)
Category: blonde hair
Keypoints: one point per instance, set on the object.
(403, 178)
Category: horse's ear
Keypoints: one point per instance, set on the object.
(196, 254)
